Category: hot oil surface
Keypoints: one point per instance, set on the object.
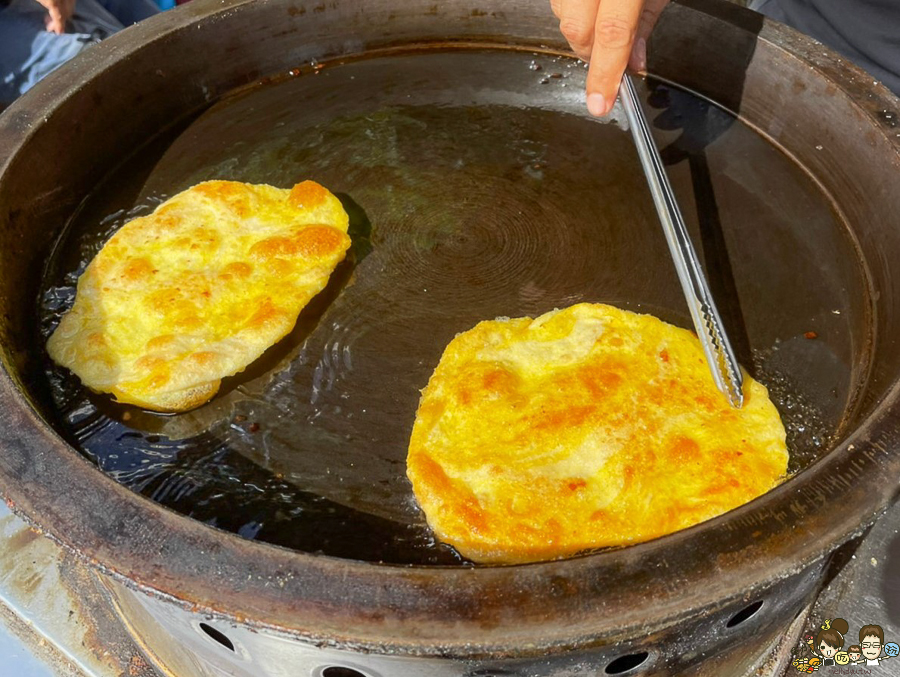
(476, 188)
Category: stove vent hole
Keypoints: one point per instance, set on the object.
(217, 636)
(744, 614)
(626, 663)
(341, 672)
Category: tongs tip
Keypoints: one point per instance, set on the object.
(735, 397)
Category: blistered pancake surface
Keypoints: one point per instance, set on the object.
(587, 427)
(196, 291)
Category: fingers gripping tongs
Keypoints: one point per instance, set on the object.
(719, 354)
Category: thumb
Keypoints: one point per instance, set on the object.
(55, 22)
(649, 17)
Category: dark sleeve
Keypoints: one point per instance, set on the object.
(865, 31)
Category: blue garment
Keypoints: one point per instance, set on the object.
(865, 31)
(28, 51)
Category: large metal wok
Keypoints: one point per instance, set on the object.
(478, 187)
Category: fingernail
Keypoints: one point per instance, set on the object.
(596, 104)
(640, 55)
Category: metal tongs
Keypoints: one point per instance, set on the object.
(719, 354)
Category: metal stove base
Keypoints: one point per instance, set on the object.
(57, 618)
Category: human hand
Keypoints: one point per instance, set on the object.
(609, 34)
(58, 12)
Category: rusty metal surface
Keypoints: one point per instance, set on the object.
(692, 647)
(787, 86)
(867, 586)
(50, 601)
(31, 587)
(24, 653)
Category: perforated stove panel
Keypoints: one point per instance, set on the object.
(56, 620)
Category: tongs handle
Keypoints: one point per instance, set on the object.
(719, 354)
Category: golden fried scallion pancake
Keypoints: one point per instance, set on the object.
(196, 291)
(587, 427)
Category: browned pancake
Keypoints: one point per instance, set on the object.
(197, 290)
(587, 427)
